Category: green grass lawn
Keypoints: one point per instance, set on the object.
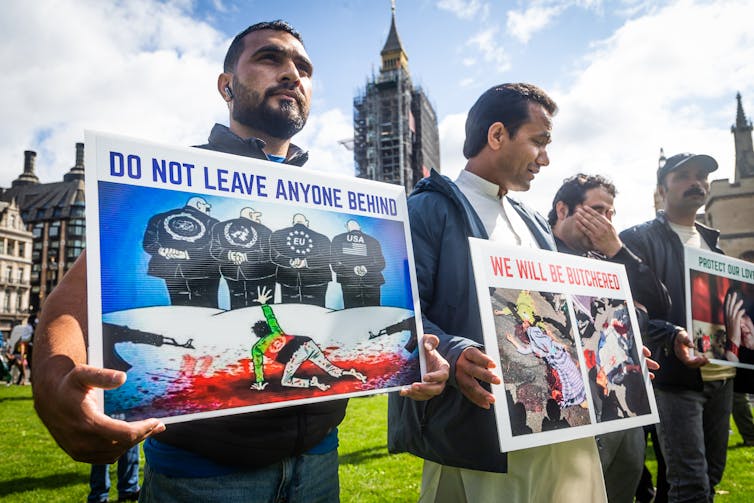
(34, 469)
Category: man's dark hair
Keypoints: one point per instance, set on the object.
(573, 192)
(506, 103)
(237, 46)
(261, 328)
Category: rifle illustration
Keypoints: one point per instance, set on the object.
(407, 324)
(113, 334)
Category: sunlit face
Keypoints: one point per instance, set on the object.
(521, 157)
(685, 188)
(272, 84)
(596, 198)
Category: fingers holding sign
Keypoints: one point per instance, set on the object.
(472, 367)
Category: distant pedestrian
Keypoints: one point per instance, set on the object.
(128, 479)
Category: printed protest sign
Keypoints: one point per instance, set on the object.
(563, 333)
(224, 284)
(720, 307)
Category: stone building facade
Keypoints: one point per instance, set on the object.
(53, 213)
(15, 267)
(730, 207)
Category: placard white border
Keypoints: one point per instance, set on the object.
(482, 252)
(97, 162)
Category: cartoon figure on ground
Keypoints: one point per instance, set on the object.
(358, 265)
(615, 351)
(302, 257)
(543, 344)
(293, 350)
(242, 247)
(179, 242)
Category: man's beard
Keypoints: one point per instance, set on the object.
(254, 111)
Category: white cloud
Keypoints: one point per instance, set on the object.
(523, 24)
(452, 135)
(465, 9)
(647, 87)
(137, 68)
(321, 138)
(487, 42)
(539, 14)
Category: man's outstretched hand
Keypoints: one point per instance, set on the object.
(68, 408)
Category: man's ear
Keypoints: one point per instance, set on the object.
(497, 135)
(223, 81)
(561, 210)
(661, 190)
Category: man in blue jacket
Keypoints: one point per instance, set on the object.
(507, 133)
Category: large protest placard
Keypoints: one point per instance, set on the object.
(563, 333)
(720, 307)
(224, 284)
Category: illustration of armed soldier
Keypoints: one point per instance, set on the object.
(303, 259)
(242, 248)
(179, 242)
(358, 263)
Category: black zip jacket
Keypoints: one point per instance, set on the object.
(661, 249)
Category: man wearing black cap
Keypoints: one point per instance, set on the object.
(693, 396)
(507, 133)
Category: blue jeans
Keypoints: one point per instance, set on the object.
(128, 477)
(693, 433)
(301, 479)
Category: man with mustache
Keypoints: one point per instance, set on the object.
(693, 396)
(288, 454)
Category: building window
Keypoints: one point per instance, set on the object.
(9, 273)
(54, 231)
(76, 228)
(20, 275)
(6, 301)
(37, 230)
(19, 303)
(21, 249)
(77, 209)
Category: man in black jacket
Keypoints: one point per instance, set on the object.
(693, 396)
(288, 453)
(581, 220)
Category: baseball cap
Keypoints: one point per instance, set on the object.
(679, 160)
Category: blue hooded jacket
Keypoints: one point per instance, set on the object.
(449, 429)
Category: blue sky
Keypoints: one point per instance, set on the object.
(630, 76)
